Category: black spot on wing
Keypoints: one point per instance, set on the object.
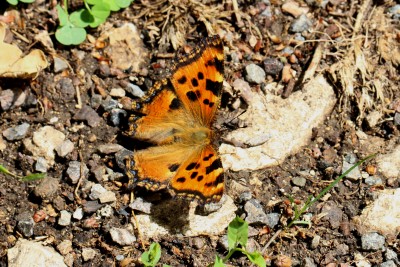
(219, 65)
(214, 87)
(191, 96)
(200, 75)
(216, 164)
(182, 80)
(195, 83)
(181, 179)
(193, 175)
(191, 166)
(199, 178)
(175, 104)
(173, 167)
(207, 158)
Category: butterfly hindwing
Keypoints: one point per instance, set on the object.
(200, 176)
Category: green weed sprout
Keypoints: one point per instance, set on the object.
(27, 178)
(238, 231)
(15, 2)
(71, 30)
(311, 200)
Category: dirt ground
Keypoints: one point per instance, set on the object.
(340, 32)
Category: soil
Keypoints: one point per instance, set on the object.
(254, 38)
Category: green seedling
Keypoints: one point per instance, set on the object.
(27, 178)
(15, 2)
(311, 200)
(71, 30)
(151, 257)
(237, 240)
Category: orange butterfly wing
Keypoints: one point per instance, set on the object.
(177, 114)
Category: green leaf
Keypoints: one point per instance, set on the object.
(96, 22)
(4, 170)
(81, 18)
(112, 5)
(123, 3)
(101, 11)
(70, 35)
(218, 262)
(166, 265)
(13, 2)
(152, 256)
(256, 258)
(62, 15)
(33, 177)
(27, 1)
(237, 233)
(93, 2)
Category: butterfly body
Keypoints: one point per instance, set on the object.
(177, 116)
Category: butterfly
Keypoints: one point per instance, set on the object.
(176, 117)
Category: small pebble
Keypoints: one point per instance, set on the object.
(17, 132)
(65, 218)
(299, 181)
(272, 66)
(300, 24)
(397, 119)
(25, 224)
(254, 74)
(372, 241)
(109, 103)
(65, 247)
(41, 165)
(308, 262)
(88, 254)
(91, 206)
(140, 205)
(89, 115)
(65, 148)
(315, 241)
(96, 100)
(119, 257)
(107, 197)
(106, 211)
(117, 92)
(389, 263)
(116, 115)
(373, 180)
(395, 11)
(96, 191)
(109, 148)
(255, 212)
(122, 236)
(78, 214)
(66, 88)
(60, 64)
(74, 171)
(134, 90)
(355, 174)
(272, 219)
(46, 188)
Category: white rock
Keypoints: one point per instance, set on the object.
(122, 236)
(96, 191)
(65, 148)
(78, 214)
(65, 218)
(88, 254)
(107, 197)
(287, 122)
(29, 253)
(43, 143)
(186, 222)
(389, 164)
(383, 215)
(117, 92)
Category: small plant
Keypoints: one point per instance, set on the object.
(15, 2)
(311, 200)
(27, 178)
(237, 241)
(151, 257)
(71, 30)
